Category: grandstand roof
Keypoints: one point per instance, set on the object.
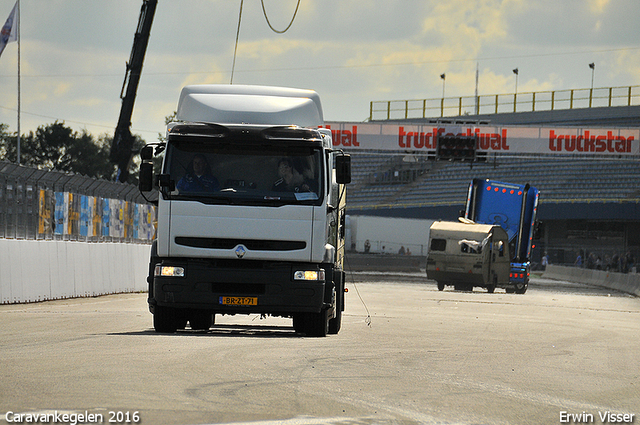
(618, 116)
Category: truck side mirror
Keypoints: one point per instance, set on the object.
(165, 181)
(145, 177)
(146, 153)
(343, 169)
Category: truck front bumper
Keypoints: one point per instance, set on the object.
(241, 287)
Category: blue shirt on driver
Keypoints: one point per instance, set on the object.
(191, 183)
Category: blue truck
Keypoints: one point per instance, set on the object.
(513, 207)
(490, 246)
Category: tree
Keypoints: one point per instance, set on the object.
(134, 164)
(58, 147)
(7, 144)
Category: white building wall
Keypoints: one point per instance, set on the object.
(388, 235)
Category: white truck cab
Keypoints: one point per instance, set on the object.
(251, 211)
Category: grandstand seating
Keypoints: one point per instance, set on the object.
(566, 180)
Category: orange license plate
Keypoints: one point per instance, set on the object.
(239, 300)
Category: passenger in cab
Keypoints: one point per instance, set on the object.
(292, 178)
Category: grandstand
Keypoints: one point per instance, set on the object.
(381, 181)
(587, 205)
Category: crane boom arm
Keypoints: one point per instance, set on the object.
(121, 148)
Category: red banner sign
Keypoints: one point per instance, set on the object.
(491, 139)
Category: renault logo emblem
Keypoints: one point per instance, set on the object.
(240, 251)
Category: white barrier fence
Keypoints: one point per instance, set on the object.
(625, 282)
(36, 270)
(32, 271)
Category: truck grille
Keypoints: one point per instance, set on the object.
(251, 244)
(238, 288)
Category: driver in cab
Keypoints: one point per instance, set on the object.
(199, 177)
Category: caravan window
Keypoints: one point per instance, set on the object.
(468, 249)
(438, 244)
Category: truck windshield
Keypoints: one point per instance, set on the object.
(245, 173)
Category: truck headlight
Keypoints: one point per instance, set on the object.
(309, 275)
(169, 271)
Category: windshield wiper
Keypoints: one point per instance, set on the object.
(205, 199)
(231, 197)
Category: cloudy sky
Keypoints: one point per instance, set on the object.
(73, 53)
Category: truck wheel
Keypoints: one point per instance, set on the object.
(521, 288)
(316, 324)
(181, 318)
(440, 286)
(298, 323)
(153, 260)
(336, 323)
(164, 319)
(200, 320)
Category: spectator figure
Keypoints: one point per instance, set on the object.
(607, 262)
(545, 261)
(367, 246)
(199, 177)
(578, 262)
(628, 262)
(292, 179)
(615, 263)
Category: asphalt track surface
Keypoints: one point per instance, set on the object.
(406, 354)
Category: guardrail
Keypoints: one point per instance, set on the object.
(504, 103)
(50, 205)
(42, 211)
(624, 282)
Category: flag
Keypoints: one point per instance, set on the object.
(9, 31)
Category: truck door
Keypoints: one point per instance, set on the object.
(487, 262)
(500, 258)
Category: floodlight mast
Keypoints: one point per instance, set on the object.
(121, 147)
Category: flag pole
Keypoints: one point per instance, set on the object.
(9, 32)
(18, 139)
